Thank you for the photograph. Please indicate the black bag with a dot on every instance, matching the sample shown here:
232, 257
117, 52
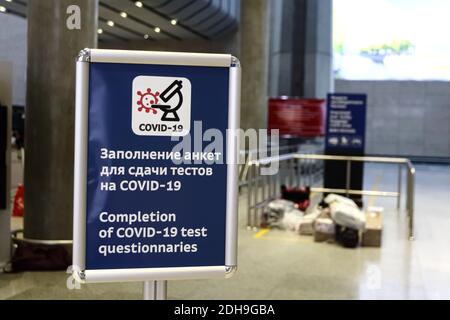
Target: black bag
39, 257
298, 195
347, 237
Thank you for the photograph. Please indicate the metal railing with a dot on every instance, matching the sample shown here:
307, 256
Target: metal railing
246, 156
264, 188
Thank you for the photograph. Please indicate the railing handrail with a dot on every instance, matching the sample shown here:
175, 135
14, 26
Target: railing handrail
280, 147
251, 154
394, 160
268, 148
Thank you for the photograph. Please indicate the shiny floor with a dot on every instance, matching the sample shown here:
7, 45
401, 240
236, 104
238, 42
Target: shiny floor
283, 265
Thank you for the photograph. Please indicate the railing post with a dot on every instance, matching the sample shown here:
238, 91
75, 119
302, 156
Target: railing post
348, 177
256, 197
288, 176
300, 171
264, 187
278, 181
249, 195
399, 186
155, 290
292, 173
272, 186
411, 203
308, 170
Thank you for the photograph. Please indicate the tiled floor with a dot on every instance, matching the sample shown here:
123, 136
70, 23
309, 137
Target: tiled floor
281, 265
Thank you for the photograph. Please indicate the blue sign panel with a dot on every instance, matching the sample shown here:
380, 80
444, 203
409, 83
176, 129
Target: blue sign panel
143, 209
346, 123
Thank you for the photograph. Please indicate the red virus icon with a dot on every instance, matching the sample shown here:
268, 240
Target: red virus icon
147, 100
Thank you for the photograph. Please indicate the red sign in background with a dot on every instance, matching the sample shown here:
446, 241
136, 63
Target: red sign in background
296, 117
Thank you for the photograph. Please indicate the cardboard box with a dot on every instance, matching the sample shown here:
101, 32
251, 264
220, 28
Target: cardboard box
323, 237
372, 235
324, 230
306, 227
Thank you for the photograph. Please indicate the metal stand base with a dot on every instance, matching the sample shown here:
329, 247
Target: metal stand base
155, 290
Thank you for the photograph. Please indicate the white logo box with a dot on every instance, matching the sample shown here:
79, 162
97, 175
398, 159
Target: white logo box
161, 106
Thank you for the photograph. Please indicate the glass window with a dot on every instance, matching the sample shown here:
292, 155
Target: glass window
391, 39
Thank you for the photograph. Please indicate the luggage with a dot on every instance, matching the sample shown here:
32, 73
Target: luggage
345, 212
274, 213
18, 207
298, 195
347, 237
39, 257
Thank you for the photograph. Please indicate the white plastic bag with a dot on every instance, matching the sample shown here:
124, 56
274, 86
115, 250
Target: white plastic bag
329, 199
281, 205
324, 225
291, 220
314, 213
347, 215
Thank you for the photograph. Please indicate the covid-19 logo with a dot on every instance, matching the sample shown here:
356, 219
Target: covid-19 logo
148, 100
161, 106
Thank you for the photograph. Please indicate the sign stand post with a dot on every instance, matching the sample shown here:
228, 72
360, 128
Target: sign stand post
155, 290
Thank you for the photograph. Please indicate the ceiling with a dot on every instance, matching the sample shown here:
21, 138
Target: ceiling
125, 20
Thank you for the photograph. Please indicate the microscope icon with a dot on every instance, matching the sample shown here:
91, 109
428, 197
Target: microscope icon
173, 99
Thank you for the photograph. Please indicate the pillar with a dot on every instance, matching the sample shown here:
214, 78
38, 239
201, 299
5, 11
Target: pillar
282, 23
301, 48
5, 160
318, 55
53, 44
254, 62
